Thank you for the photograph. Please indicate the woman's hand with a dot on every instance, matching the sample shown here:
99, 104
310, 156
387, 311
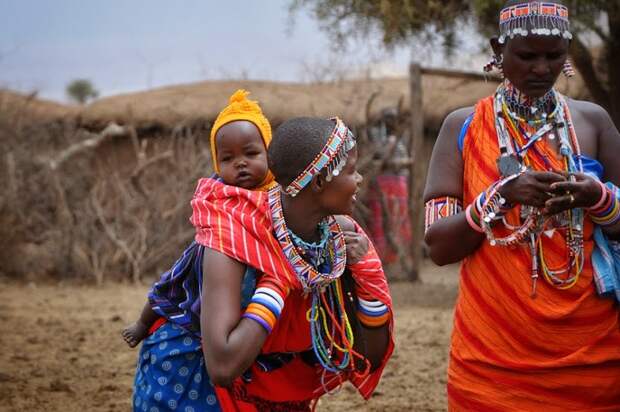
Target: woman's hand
357, 246
532, 188
581, 192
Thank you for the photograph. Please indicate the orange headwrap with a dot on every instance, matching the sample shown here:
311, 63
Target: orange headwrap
240, 108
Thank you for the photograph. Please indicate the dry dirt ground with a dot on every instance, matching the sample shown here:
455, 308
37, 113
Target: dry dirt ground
60, 348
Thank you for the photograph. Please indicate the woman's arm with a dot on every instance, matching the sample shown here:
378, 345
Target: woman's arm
609, 151
451, 239
445, 178
230, 343
371, 343
585, 191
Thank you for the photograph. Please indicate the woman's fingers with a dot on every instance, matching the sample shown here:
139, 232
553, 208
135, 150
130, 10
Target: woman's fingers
563, 187
560, 203
547, 177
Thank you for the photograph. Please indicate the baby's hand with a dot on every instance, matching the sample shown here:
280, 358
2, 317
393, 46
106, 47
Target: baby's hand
135, 333
357, 246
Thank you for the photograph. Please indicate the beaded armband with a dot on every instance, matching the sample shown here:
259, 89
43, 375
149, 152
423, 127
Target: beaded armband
439, 208
266, 305
606, 212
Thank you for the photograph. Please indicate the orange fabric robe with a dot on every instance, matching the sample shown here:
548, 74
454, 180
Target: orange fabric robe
557, 352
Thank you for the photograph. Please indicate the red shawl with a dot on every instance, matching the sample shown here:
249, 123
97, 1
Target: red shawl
237, 222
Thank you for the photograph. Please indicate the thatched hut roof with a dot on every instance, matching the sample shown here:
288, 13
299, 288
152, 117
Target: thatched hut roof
201, 102
34, 110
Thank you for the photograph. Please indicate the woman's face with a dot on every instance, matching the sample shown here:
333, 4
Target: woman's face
340, 194
533, 63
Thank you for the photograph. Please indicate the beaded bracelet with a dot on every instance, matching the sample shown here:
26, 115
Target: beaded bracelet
266, 305
474, 211
473, 218
603, 197
492, 209
606, 212
372, 313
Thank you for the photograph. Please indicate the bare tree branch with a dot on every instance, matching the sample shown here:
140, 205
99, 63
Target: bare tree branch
93, 141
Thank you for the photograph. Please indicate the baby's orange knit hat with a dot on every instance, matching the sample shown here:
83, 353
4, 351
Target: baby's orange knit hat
240, 108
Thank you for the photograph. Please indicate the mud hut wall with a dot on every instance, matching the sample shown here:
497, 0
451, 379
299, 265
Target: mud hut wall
116, 211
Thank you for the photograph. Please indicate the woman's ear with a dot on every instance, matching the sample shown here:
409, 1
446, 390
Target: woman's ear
497, 47
318, 183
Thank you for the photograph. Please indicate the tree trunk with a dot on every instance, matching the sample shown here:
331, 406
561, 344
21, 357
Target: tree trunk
585, 64
605, 92
613, 61
416, 170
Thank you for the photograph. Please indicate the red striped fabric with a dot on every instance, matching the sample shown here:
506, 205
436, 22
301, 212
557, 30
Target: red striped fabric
237, 222
509, 352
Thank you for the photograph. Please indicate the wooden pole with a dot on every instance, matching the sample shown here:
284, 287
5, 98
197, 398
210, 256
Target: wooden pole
417, 171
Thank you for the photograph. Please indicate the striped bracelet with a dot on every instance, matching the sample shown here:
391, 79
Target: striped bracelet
372, 313
606, 212
265, 306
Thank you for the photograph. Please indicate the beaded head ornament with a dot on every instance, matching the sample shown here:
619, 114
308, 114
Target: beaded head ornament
332, 157
539, 18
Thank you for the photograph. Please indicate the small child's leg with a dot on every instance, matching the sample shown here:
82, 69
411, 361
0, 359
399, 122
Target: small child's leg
137, 331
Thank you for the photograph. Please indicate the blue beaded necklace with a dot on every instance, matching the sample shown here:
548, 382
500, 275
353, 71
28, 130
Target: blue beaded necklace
314, 253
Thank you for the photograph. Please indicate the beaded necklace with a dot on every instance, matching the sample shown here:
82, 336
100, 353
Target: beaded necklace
330, 328
316, 253
309, 277
532, 111
514, 144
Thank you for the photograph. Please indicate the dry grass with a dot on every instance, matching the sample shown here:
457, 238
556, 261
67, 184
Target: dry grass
62, 350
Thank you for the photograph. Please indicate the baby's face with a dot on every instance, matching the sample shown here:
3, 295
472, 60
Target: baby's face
241, 154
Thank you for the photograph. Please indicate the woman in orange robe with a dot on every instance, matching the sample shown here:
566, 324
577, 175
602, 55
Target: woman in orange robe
527, 336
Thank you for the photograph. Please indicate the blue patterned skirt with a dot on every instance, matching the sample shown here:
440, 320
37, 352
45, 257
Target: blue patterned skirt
171, 374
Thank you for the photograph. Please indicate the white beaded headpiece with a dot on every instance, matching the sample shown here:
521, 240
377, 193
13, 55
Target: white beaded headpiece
332, 157
540, 18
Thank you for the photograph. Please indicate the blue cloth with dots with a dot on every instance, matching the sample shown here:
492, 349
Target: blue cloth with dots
171, 374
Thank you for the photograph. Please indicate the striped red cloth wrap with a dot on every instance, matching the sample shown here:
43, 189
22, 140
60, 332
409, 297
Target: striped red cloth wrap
237, 222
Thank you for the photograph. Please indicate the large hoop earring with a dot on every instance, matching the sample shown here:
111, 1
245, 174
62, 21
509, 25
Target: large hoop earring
567, 69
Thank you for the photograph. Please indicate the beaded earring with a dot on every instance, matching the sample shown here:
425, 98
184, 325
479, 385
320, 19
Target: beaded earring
567, 69
497, 62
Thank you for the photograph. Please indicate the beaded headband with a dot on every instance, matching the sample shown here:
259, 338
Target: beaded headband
332, 157
544, 19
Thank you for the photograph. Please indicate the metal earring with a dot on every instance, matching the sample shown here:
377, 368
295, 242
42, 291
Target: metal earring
567, 69
497, 62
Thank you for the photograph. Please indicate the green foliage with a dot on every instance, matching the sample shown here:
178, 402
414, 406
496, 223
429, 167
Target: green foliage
401, 21
81, 90
397, 20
